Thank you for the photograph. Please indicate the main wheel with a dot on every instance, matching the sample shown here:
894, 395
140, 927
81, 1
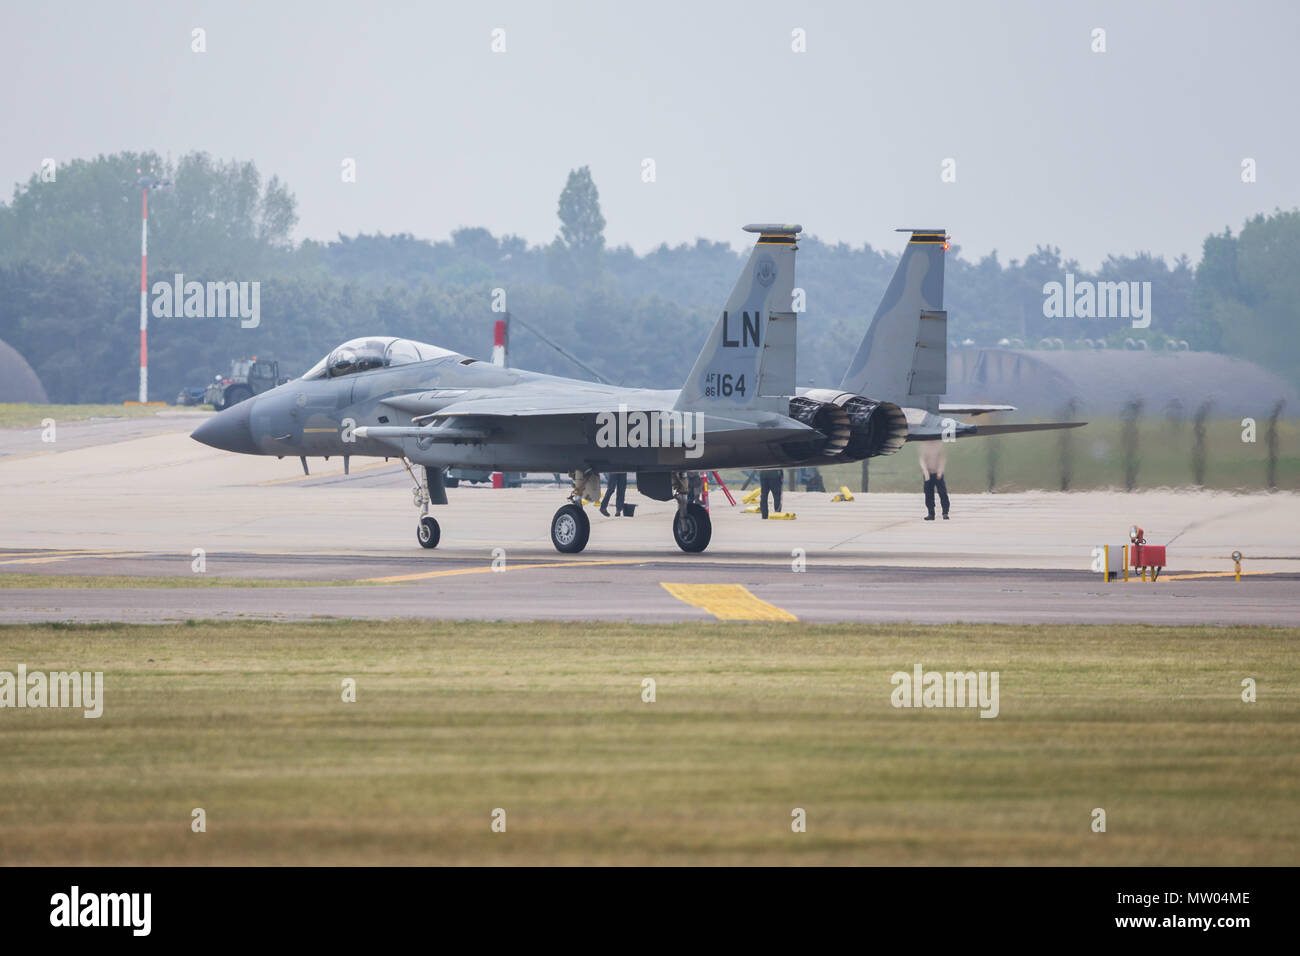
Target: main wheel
693, 529
570, 529
428, 532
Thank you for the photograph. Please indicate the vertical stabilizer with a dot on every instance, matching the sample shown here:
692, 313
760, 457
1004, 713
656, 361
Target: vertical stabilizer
748, 361
904, 356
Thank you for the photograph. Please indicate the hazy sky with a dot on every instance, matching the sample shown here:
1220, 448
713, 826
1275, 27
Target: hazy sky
1137, 148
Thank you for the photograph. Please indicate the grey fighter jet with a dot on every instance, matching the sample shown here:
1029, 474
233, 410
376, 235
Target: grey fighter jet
386, 397
903, 358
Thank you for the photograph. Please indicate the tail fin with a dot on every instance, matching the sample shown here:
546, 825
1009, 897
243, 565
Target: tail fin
904, 356
748, 361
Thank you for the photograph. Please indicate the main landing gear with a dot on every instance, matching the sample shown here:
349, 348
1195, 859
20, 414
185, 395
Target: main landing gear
570, 527
692, 528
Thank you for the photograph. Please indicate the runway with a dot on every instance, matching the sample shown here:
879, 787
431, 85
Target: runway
137, 499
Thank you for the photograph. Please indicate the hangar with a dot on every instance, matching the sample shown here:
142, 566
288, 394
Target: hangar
1041, 382
18, 380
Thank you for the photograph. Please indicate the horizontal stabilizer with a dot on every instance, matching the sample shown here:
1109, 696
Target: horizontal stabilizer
1030, 427
950, 408
933, 430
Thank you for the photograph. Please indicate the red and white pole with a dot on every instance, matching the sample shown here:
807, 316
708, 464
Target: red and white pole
499, 343
144, 294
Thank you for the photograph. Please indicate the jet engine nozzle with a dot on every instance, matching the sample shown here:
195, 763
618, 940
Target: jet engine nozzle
878, 428
874, 428
829, 419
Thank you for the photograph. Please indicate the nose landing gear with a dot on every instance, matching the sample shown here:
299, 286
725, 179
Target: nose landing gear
427, 489
428, 532
570, 529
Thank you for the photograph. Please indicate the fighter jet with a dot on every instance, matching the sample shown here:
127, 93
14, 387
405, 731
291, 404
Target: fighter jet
433, 408
903, 358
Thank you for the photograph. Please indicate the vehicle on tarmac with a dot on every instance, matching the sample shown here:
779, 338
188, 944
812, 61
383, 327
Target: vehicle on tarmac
248, 377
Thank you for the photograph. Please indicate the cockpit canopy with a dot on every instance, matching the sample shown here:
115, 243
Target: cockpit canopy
373, 351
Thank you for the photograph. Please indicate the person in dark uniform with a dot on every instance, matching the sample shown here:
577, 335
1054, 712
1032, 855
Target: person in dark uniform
617, 481
771, 481
933, 457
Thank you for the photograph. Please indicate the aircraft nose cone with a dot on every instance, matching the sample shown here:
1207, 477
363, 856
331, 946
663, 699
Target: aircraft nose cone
229, 430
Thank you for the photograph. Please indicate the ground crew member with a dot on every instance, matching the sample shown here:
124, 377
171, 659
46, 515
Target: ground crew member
616, 481
771, 481
933, 456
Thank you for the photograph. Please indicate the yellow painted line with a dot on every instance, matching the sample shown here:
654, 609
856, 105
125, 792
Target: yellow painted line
326, 474
1209, 574
488, 569
727, 602
308, 431
74, 557
31, 454
49, 552
58, 555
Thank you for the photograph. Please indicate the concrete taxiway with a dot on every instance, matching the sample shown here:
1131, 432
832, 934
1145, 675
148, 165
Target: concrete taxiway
137, 497
629, 589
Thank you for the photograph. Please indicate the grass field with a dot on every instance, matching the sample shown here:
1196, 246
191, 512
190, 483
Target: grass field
751, 721
15, 414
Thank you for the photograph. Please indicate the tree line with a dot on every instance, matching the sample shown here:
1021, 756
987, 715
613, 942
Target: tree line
69, 286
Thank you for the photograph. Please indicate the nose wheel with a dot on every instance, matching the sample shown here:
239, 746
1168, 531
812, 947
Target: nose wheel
428, 532
692, 528
570, 529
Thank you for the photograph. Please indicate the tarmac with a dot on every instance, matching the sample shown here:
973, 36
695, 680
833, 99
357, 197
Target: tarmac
136, 498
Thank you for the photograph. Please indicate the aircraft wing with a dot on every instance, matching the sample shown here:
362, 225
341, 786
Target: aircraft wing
528, 406
488, 418
439, 402
537, 406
